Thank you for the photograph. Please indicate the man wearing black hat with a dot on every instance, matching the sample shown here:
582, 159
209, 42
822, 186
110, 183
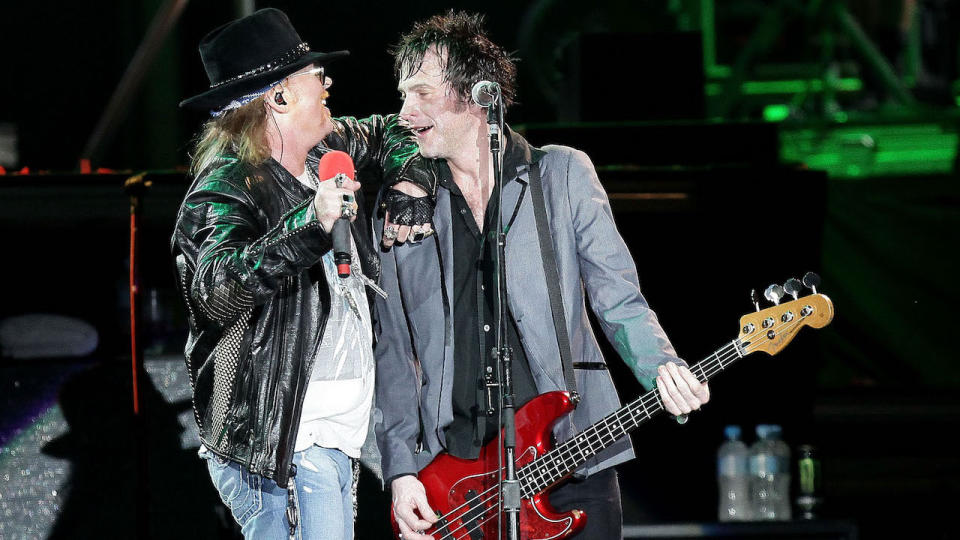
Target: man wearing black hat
279, 350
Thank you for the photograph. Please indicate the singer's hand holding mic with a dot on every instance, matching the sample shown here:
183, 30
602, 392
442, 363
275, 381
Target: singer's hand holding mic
331, 201
336, 205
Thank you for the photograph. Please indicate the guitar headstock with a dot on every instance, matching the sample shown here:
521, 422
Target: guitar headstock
771, 329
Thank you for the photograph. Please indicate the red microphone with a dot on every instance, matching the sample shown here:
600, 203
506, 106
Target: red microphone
338, 166
333, 163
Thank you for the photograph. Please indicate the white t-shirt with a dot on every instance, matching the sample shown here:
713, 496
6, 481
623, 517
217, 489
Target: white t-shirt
336, 408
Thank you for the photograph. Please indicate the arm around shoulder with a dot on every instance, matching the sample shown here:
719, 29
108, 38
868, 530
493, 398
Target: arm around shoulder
384, 144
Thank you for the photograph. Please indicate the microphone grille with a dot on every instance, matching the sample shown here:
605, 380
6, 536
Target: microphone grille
475, 91
333, 163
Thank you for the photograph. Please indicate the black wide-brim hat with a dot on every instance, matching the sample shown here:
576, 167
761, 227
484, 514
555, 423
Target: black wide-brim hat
247, 54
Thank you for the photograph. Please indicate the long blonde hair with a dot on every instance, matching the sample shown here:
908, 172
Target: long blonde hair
241, 131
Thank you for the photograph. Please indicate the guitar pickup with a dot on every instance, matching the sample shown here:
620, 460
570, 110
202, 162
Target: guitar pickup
477, 509
442, 526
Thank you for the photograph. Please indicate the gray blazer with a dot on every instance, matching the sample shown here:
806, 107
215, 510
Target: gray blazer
416, 320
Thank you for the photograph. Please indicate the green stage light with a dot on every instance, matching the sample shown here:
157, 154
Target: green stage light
788, 86
776, 113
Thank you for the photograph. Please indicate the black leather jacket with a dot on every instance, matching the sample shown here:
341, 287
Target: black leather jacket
246, 248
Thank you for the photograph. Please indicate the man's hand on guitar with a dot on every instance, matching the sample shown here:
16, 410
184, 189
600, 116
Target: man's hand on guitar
680, 390
410, 497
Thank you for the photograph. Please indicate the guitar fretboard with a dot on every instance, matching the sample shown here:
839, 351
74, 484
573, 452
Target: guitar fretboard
557, 464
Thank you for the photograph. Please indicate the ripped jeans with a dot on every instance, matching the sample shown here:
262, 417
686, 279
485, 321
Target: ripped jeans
322, 500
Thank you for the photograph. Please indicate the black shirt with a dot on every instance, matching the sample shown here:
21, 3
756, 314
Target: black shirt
475, 329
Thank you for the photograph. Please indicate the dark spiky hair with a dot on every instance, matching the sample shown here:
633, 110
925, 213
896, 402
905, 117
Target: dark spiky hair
471, 56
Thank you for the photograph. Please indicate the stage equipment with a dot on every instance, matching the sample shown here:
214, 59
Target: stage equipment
830, 19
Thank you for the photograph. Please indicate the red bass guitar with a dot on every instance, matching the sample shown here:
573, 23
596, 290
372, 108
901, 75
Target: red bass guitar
466, 493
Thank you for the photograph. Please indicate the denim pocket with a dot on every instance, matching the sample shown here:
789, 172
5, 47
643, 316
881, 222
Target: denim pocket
238, 489
226, 478
248, 505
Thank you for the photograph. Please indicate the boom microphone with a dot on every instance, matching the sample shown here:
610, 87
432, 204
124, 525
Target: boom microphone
485, 93
337, 166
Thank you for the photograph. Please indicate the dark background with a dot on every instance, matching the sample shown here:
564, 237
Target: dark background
875, 391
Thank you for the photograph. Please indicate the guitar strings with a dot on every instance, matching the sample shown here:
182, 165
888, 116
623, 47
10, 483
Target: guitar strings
466, 518
715, 366
649, 398
602, 429
728, 355
599, 432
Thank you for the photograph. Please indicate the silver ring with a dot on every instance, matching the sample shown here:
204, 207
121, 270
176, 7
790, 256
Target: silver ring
682, 418
348, 210
391, 232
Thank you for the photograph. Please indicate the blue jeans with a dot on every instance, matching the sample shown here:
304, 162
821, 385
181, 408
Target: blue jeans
324, 496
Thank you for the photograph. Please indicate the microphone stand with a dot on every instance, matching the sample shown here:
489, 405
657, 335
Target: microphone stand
510, 485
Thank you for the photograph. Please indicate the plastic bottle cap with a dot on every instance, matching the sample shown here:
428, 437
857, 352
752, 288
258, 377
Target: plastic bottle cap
732, 432
769, 431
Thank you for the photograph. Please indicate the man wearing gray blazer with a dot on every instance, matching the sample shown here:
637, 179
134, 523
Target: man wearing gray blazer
438, 319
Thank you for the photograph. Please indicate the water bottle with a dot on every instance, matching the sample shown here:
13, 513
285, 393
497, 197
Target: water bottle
732, 477
770, 475
782, 482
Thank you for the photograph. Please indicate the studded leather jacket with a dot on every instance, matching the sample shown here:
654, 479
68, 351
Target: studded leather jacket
246, 248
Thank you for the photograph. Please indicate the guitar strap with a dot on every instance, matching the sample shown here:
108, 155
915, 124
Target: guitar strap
549, 260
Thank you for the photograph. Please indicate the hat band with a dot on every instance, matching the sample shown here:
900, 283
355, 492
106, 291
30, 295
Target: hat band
243, 100
282, 60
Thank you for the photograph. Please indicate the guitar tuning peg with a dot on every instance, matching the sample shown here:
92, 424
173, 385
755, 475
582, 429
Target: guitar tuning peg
792, 286
812, 281
755, 298
774, 293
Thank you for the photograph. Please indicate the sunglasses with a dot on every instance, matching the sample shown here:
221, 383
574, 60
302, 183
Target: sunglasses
318, 71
